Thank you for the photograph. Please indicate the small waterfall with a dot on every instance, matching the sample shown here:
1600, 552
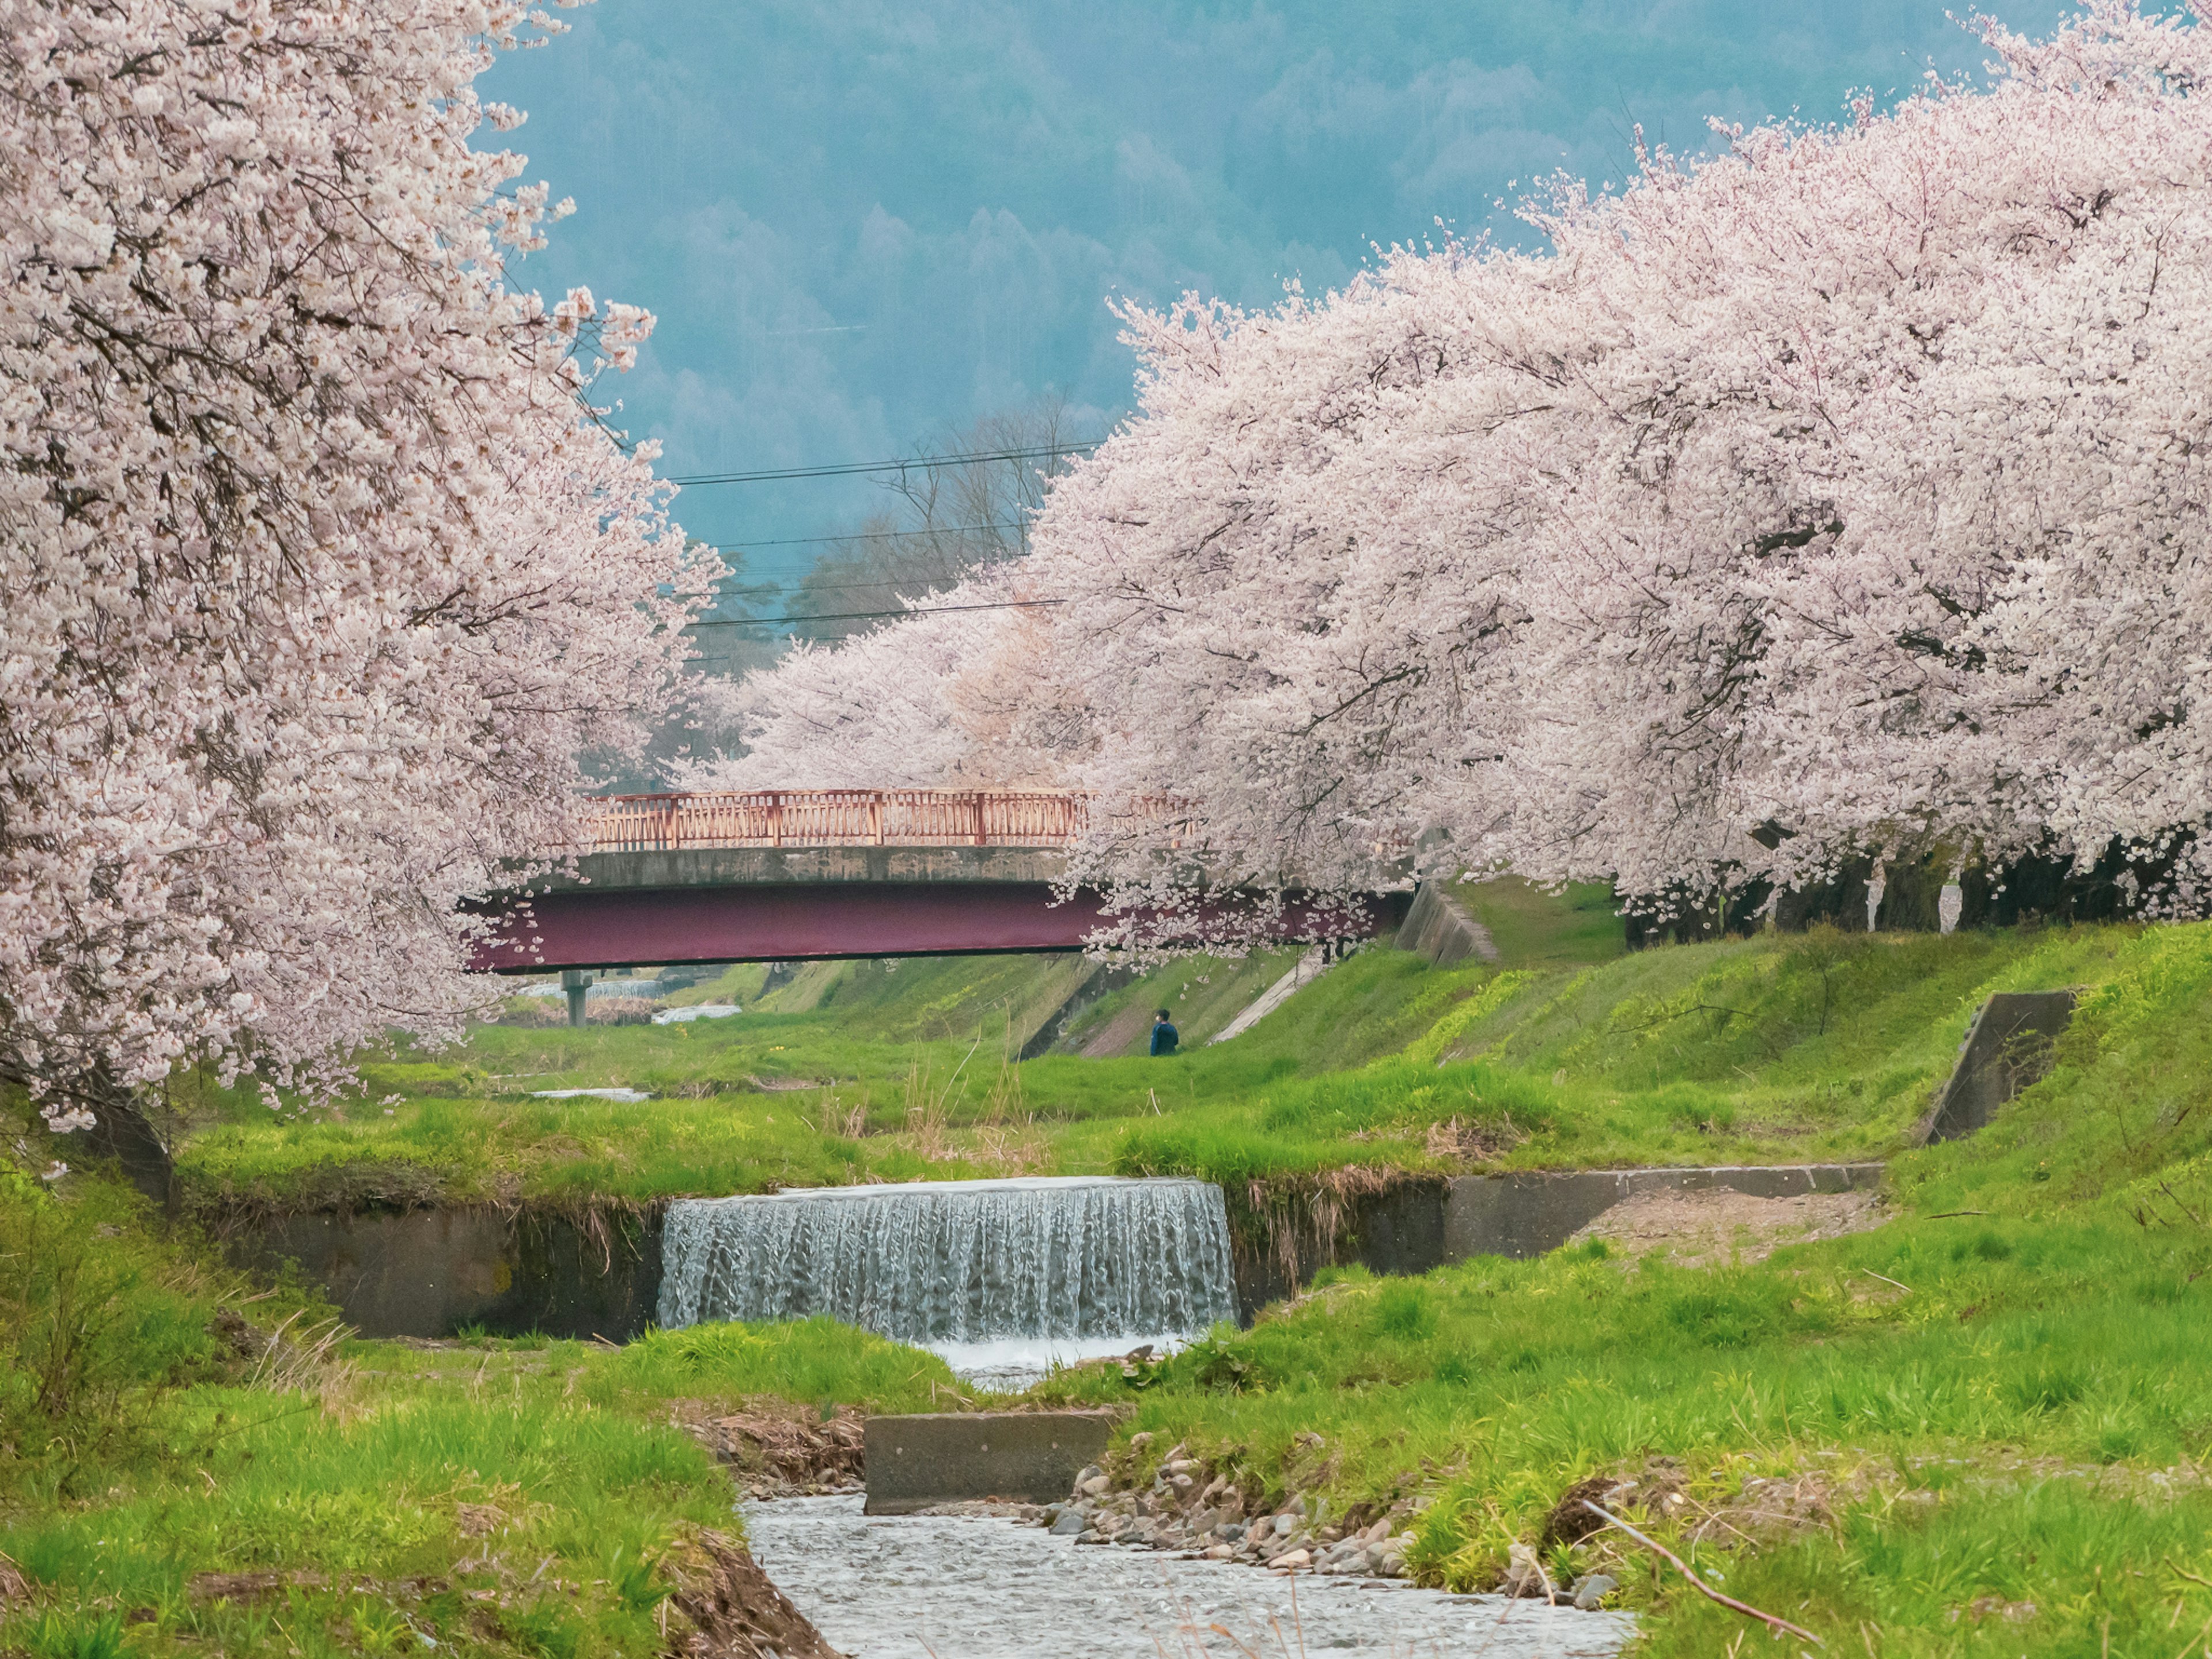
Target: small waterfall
999, 1276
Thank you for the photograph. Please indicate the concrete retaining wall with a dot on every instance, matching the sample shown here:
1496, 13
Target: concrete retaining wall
1099, 983
1033, 1458
2008, 1046
1401, 1231
428, 1273
1524, 1215
1439, 926
1426, 1222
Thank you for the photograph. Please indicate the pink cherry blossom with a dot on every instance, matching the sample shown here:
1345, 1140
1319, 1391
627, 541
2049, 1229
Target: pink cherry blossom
1841, 494
320, 569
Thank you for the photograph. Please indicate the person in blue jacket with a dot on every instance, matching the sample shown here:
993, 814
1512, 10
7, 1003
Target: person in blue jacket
1164, 1035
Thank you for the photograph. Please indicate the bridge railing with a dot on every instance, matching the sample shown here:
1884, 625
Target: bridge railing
843, 818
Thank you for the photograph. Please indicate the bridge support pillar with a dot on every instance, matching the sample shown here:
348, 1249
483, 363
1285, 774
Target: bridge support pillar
577, 983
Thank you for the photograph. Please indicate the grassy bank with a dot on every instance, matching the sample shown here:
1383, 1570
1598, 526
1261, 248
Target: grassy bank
1981, 1428
173, 1482
1774, 1049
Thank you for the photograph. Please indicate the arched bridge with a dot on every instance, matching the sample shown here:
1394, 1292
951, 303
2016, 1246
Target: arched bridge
783, 875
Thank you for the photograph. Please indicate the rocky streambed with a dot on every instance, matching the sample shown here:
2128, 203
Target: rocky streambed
967, 1584
1186, 1506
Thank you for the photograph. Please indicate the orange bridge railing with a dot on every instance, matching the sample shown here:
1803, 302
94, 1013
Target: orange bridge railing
842, 817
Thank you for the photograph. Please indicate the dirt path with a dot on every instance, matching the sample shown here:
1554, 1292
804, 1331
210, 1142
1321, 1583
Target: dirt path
1716, 1227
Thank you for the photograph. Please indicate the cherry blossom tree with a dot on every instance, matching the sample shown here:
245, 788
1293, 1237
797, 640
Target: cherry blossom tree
947, 698
320, 567
1841, 494
1887, 538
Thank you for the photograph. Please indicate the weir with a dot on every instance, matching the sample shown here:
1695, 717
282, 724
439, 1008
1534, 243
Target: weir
1000, 1277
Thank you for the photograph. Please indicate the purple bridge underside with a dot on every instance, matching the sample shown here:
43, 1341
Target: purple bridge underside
754, 921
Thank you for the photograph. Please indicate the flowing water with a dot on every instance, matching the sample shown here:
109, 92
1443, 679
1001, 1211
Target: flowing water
1002, 1277
911, 1587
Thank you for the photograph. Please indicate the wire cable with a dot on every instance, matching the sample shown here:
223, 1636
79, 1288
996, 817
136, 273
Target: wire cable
867, 616
850, 469
868, 536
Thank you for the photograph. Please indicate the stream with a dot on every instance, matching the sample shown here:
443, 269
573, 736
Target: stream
979, 1587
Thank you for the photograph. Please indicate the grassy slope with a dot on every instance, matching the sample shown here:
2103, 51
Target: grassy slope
1533, 928
1982, 1393
1998, 1398
889, 1099
141, 1454
1202, 994
1814, 1046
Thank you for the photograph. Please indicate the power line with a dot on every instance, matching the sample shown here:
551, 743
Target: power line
741, 590
865, 616
867, 536
807, 583
848, 469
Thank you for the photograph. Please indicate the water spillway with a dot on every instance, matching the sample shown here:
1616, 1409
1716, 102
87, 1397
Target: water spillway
998, 1276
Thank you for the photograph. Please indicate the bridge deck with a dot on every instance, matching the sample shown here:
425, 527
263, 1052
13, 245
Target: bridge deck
783, 875
868, 817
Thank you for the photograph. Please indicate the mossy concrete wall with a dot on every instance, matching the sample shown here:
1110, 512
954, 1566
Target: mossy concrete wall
1523, 1215
430, 1273
1441, 928
2008, 1046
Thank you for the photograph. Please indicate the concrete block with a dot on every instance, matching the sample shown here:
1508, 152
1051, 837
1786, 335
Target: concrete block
948, 1457
427, 1273
2008, 1047
1439, 926
785, 866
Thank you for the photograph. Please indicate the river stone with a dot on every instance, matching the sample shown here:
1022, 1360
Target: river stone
1590, 1594
1292, 1562
1069, 1524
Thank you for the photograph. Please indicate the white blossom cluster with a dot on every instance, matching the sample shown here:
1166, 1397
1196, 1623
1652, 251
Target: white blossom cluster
318, 569
1842, 495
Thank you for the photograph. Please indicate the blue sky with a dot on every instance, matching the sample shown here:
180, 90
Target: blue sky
863, 223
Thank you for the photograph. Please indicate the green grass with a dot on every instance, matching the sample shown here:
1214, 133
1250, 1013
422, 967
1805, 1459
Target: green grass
817, 1361
1533, 928
464, 1125
1816, 1046
142, 1453
1998, 1398
525, 1498
1202, 995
